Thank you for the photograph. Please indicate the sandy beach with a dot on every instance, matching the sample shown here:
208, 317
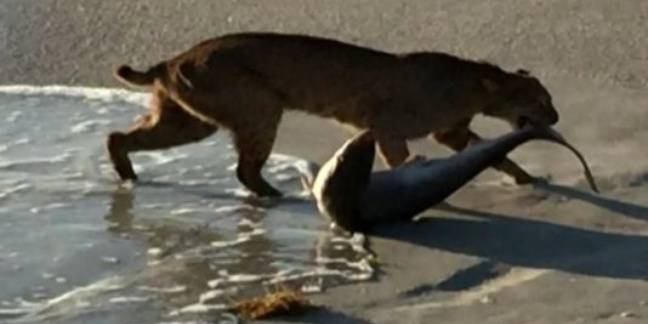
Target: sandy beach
496, 253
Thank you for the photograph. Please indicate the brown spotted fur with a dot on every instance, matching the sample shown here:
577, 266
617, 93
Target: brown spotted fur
244, 82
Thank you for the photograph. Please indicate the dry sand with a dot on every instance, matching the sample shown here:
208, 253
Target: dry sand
498, 254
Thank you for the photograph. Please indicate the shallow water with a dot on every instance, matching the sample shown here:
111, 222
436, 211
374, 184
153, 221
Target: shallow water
77, 246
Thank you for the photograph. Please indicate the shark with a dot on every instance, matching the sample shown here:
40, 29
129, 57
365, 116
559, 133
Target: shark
356, 198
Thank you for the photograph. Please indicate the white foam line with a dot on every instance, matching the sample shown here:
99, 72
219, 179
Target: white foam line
165, 290
236, 208
160, 158
54, 159
88, 125
128, 299
33, 310
186, 210
16, 189
362, 265
103, 285
239, 192
282, 162
13, 311
199, 308
52, 206
22, 141
320, 272
103, 94
237, 241
14, 116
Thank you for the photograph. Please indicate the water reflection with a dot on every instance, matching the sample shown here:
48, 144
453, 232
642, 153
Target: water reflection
181, 238
193, 267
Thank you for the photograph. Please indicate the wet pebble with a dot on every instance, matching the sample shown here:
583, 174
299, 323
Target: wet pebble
339, 247
111, 260
156, 252
486, 300
628, 315
87, 245
39, 295
309, 289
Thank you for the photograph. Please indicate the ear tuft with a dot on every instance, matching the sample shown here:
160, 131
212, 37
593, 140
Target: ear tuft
523, 72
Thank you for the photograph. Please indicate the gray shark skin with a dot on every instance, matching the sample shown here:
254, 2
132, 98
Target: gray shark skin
355, 198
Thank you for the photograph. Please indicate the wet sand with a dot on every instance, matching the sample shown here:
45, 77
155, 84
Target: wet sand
500, 253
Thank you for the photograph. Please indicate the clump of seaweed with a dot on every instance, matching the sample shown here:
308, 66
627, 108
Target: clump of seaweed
283, 301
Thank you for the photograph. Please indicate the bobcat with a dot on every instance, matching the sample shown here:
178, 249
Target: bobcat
244, 82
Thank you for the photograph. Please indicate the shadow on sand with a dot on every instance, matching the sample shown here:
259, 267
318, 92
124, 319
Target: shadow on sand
323, 315
614, 205
517, 241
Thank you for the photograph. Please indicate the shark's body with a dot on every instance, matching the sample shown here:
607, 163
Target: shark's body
355, 198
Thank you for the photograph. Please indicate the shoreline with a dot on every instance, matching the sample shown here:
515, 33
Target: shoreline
501, 253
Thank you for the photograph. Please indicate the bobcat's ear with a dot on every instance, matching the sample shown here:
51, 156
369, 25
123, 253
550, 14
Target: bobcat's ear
523, 72
490, 85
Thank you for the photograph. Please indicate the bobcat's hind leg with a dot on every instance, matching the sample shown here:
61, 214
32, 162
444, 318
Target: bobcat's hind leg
167, 125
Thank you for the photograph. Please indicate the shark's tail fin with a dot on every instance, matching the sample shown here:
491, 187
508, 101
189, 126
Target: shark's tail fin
549, 134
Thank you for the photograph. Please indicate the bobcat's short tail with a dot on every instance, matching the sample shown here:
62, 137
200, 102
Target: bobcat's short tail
127, 75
